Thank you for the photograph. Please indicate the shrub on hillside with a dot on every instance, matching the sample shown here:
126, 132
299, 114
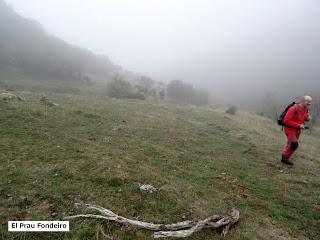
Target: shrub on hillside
232, 110
185, 93
121, 88
162, 94
145, 86
179, 91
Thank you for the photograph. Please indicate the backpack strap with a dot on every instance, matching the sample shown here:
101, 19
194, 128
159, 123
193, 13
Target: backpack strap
295, 113
295, 109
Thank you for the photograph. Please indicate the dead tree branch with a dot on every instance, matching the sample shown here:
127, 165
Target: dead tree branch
178, 230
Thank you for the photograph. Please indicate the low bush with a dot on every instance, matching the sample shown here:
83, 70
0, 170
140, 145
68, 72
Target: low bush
185, 93
121, 88
232, 110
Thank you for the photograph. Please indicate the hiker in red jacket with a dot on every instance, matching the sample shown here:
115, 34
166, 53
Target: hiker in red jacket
294, 122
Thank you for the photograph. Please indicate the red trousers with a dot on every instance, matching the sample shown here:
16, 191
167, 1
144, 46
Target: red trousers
292, 145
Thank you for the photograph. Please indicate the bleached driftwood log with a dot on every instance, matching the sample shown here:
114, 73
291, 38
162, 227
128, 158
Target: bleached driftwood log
178, 230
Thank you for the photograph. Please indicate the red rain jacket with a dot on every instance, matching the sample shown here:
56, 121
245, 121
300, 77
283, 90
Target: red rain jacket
295, 116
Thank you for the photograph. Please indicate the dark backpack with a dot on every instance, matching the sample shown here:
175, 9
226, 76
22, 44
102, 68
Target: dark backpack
283, 115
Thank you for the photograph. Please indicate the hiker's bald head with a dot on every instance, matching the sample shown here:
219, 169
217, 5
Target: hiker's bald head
306, 101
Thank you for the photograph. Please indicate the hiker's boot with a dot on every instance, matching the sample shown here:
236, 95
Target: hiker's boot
286, 161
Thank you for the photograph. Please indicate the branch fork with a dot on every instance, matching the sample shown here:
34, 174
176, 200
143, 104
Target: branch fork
177, 230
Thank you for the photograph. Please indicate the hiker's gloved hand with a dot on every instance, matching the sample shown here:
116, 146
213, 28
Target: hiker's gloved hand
302, 126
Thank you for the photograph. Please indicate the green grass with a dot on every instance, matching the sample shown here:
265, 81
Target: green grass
97, 150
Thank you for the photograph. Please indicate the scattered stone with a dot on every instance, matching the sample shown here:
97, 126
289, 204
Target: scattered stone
116, 128
45, 100
22, 198
8, 96
20, 98
147, 188
107, 139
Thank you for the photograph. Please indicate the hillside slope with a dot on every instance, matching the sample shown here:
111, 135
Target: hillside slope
97, 150
28, 52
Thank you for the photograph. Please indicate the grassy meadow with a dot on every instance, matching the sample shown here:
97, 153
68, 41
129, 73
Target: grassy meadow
96, 150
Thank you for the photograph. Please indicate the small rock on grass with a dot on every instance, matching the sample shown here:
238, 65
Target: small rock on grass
10, 96
45, 100
147, 188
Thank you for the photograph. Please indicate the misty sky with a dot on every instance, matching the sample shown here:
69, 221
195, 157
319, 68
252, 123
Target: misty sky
212, 43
